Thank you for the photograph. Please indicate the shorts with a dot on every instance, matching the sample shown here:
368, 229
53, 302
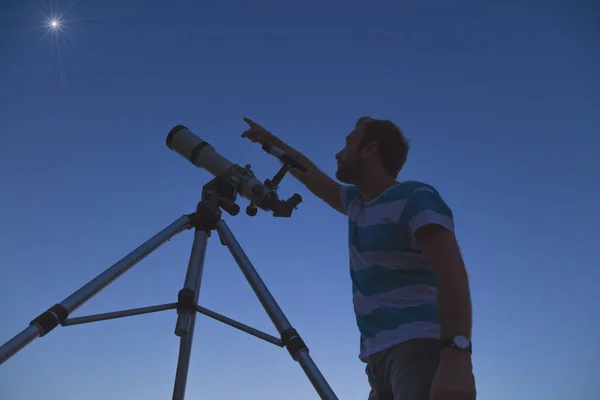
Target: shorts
404, 371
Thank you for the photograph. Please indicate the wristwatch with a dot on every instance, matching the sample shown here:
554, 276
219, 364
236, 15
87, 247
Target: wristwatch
458, 342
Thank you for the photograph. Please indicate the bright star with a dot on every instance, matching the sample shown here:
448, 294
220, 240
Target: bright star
54, 24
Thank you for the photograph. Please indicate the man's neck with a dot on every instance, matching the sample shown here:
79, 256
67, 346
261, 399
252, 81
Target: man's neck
370, 189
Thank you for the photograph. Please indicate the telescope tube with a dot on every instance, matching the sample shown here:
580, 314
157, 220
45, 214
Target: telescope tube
203, 155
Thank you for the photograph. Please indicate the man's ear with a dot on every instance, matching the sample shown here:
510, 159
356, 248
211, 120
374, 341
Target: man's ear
369, 149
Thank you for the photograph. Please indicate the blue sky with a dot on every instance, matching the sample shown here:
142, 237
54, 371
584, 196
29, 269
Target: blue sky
500, 102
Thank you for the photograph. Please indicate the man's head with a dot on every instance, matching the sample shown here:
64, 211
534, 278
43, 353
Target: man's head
375, 148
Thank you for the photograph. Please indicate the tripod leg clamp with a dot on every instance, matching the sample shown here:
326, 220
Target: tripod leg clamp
50, 319
293, 342
186, 300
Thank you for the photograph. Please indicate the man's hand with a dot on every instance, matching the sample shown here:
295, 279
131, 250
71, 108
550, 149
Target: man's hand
454, 378
256, 133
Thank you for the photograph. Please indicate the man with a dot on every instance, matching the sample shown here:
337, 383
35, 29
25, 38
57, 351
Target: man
410, 286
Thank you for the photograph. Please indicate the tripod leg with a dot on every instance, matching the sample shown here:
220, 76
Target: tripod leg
183, 363
55, 315
291, 339
186, 310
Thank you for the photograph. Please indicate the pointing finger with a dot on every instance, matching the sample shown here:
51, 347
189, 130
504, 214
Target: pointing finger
250, 122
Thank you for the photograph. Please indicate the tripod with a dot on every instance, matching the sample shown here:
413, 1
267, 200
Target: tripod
216, 195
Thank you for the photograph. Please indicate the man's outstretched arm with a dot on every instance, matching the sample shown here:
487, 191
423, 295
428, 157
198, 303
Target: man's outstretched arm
314, 179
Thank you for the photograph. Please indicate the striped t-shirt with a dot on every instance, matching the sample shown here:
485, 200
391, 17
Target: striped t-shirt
393, 287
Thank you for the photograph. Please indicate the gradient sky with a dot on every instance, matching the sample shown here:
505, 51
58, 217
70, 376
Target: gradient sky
502, 107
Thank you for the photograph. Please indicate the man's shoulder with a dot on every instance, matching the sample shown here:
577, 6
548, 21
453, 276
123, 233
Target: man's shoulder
415, 186
424, 197
403, 190
409, 198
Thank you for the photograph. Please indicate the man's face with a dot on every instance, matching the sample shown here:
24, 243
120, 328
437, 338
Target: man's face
349, 158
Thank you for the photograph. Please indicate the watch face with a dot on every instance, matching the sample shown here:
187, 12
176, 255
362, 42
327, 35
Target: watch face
461, 342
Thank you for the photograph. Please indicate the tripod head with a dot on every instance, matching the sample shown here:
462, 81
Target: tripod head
232, 179
223, 195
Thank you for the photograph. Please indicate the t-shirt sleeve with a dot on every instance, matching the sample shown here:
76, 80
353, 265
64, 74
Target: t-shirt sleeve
425, 206
347, 193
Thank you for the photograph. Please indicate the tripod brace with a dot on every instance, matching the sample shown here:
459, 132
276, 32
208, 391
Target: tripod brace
216, 195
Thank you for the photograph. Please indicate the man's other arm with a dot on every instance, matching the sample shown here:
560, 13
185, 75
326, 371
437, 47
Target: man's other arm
454, 300
432, 225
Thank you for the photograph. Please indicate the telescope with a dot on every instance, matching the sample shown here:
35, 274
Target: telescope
217, 195
241, 180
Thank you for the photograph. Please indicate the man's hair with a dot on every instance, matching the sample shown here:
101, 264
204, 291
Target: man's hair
393, 146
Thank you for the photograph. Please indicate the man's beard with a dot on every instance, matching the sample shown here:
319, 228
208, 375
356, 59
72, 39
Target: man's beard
346, 174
